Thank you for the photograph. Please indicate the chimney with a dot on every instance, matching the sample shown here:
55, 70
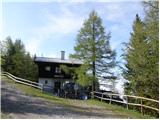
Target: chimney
62, 55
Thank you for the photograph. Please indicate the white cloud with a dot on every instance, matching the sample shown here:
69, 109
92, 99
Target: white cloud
32, 45
112, 12
119, 18
120, 12
66, 22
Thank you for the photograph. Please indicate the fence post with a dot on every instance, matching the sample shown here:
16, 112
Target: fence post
127, 102
42, 88
102, 97
75, 94
110, 99
92, 96
14, 82
65, 93
141, 106
58, 92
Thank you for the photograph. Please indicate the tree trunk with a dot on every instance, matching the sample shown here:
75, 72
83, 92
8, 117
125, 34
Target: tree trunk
94, 57
94, 74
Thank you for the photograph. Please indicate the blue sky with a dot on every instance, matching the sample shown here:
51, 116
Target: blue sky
46, 28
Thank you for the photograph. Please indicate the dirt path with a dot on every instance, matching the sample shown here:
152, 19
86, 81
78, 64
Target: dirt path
15, 104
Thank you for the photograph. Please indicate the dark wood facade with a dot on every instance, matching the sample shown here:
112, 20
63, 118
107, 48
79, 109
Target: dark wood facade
50, 74
53, 70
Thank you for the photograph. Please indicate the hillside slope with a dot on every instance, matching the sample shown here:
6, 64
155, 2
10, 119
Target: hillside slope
20, 102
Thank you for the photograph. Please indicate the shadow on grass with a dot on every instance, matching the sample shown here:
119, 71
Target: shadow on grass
13, 102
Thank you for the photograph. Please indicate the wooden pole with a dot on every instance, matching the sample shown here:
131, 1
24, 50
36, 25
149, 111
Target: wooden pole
42, 88
92, 94
76, 94
141, 106
65, 93
110, 99
58, 92
127, 102
102, 97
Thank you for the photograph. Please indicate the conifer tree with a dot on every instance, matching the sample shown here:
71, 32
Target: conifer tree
135, 56
142, 56
152, 30
17, 61
93, 48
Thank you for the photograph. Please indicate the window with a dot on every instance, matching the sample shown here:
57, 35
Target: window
57, 70
46, 82
48, 68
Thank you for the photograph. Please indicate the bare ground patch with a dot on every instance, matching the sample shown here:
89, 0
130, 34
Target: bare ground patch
15, 104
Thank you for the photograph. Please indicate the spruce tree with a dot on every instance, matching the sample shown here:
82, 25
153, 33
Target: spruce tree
135, 56
152, 30
8, 50
93, 48
17, 61
142, 56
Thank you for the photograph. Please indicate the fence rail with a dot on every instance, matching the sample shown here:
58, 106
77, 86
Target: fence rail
110, 99
101, 97
23, 81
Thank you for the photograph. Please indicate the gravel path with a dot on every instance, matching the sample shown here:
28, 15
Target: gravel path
15, 104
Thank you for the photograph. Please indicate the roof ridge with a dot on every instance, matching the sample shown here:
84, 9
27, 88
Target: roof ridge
57, 60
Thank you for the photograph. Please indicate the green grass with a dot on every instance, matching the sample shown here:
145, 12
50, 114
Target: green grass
68, 102
121, 110
5, 116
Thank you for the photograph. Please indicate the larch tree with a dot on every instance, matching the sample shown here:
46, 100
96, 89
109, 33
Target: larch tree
93, 48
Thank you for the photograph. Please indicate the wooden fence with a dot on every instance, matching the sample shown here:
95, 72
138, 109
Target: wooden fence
23, 81
95, 94
102, 96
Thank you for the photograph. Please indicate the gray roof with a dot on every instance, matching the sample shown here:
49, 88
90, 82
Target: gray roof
57, 60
